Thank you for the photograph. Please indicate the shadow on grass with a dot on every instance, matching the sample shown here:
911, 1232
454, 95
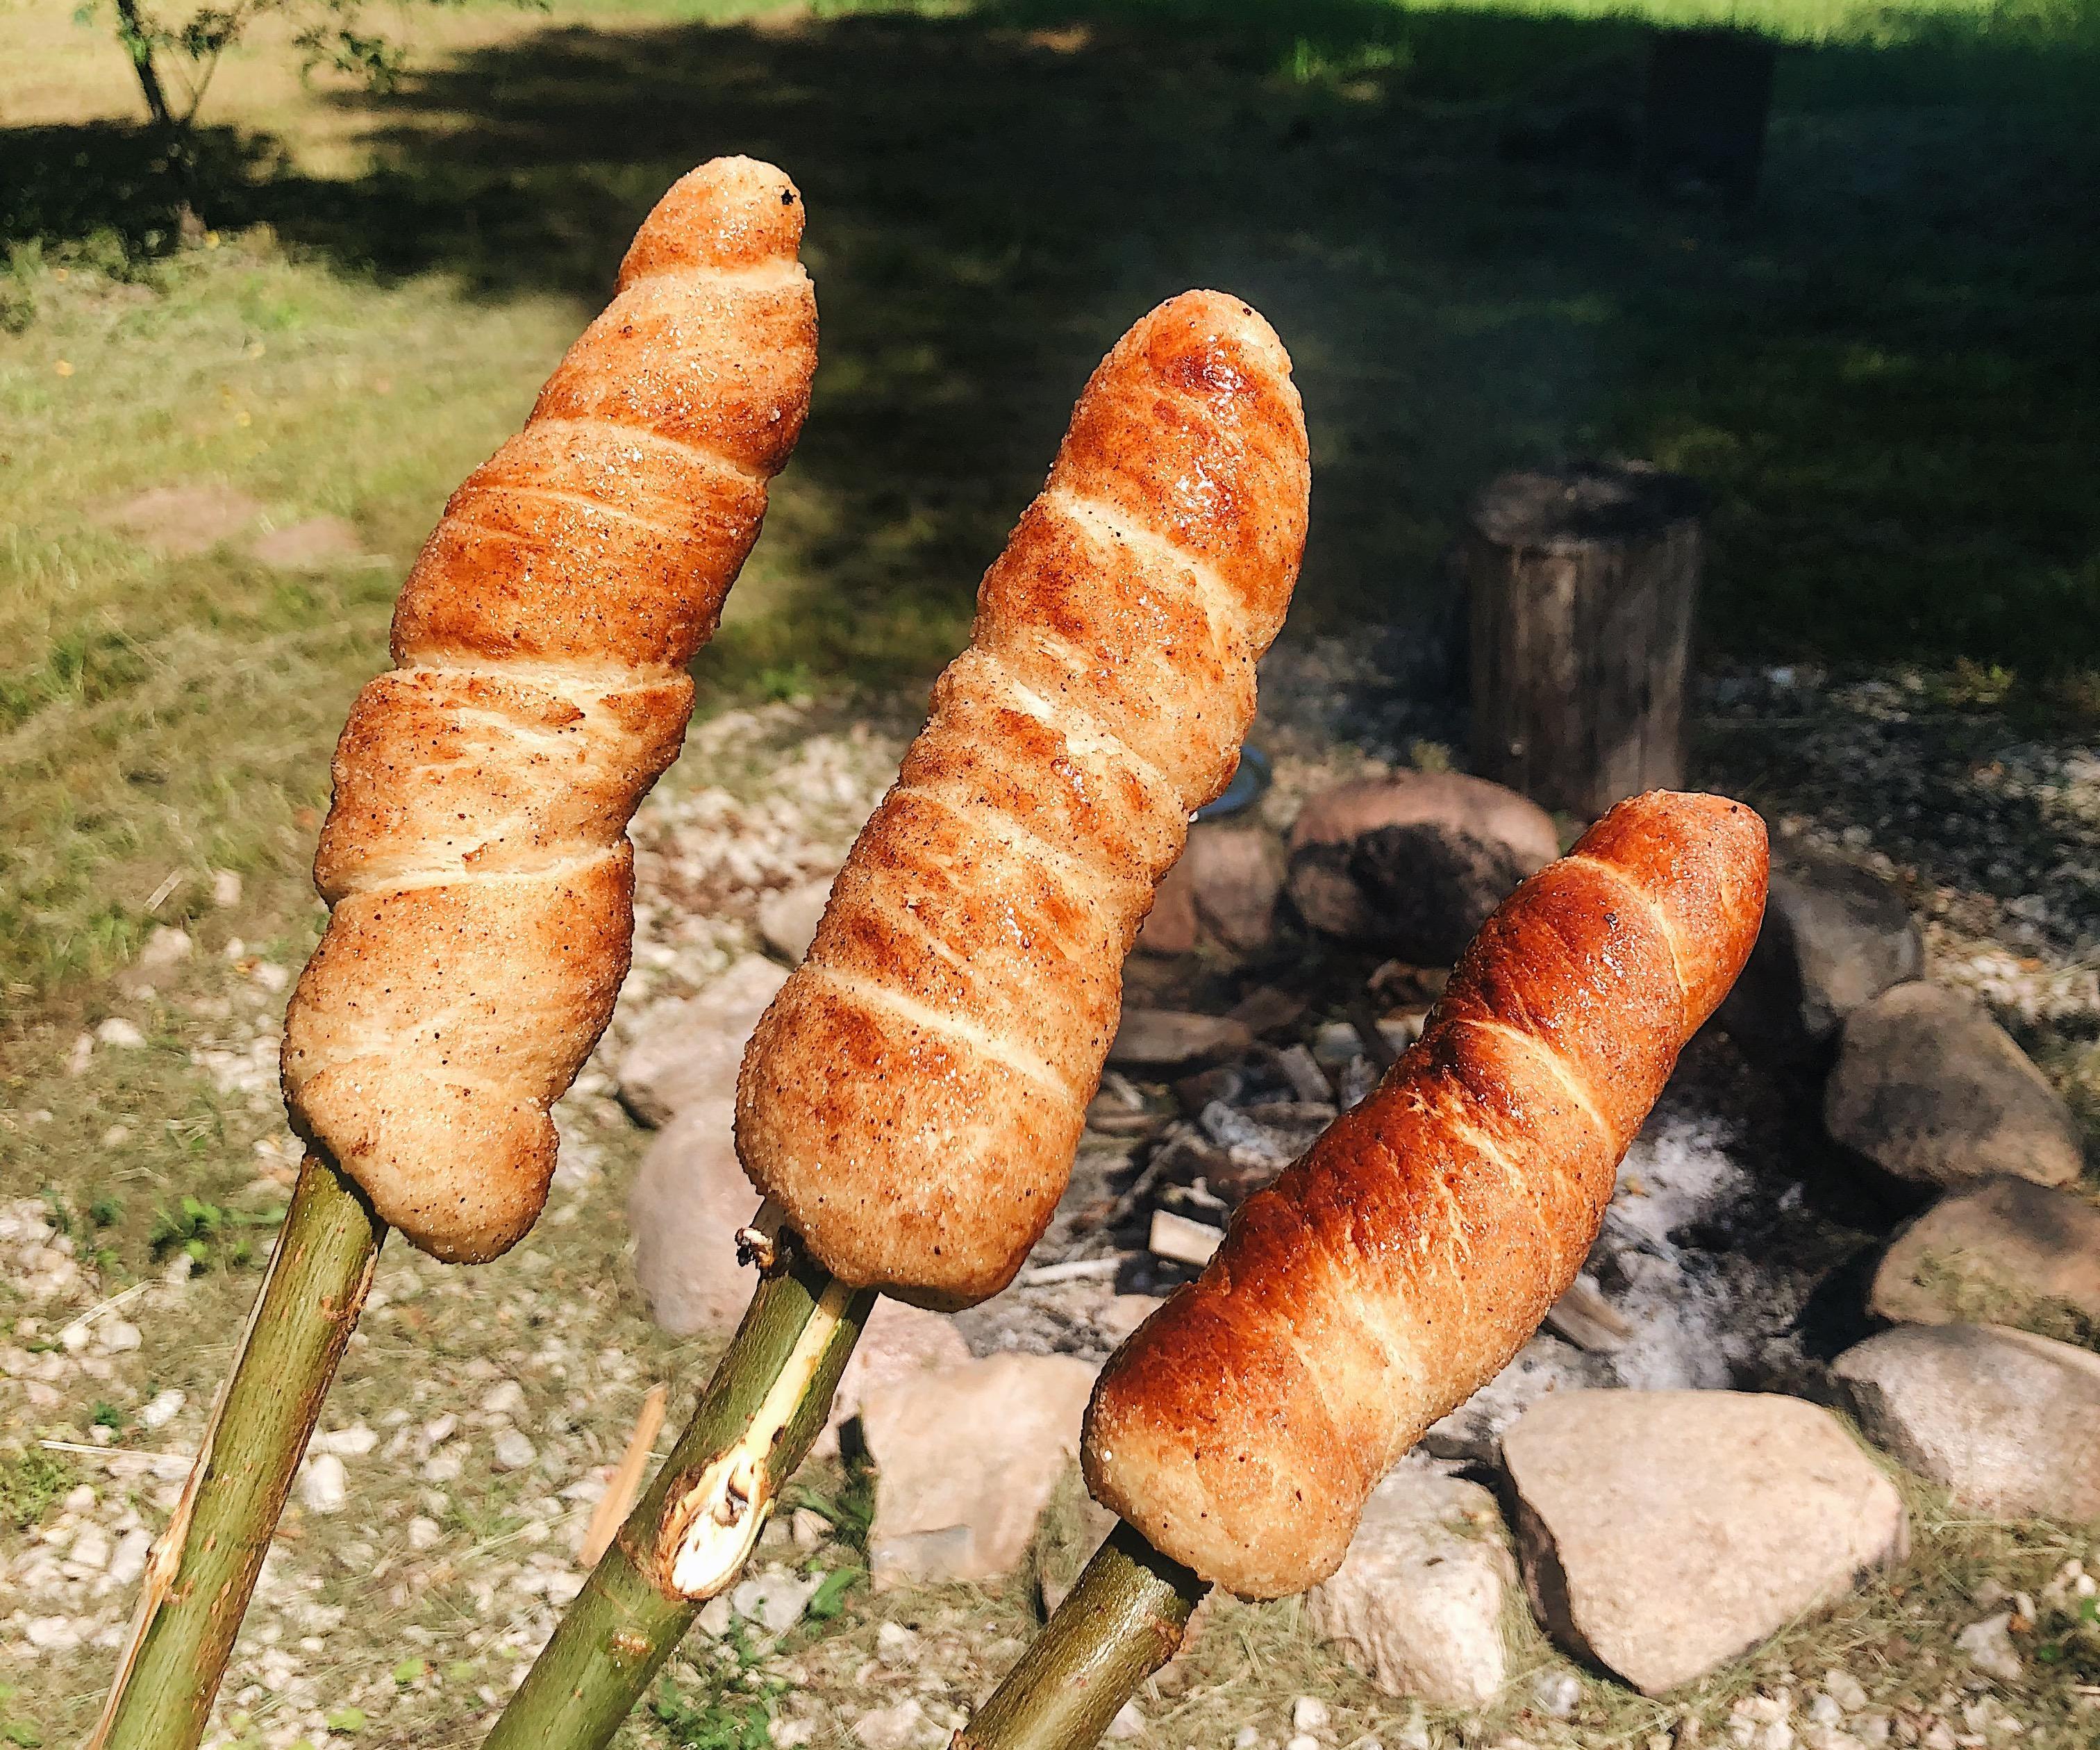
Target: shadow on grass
1886, 370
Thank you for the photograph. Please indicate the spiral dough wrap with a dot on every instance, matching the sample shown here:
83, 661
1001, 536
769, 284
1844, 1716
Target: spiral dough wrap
914, 1097
475, 857
1401, 1264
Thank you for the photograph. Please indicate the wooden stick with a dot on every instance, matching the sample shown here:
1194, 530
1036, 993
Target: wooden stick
204, 1568
696, 1524
1120, 1623
626, 1481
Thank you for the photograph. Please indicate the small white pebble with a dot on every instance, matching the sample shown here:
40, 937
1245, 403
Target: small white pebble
116, 1136
225, 888
165, 947
90, 1549
324, 1485
353, 1441
1988, 1646
120, 1336
774, 1599
507, 1399
162, 1408
1128, 1722
119, 1032
1309, 1713
1556, 1692
1846, 1690
425, 1533
512, 1451
129, 1561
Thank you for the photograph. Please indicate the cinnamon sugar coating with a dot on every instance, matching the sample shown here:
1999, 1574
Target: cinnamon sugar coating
475, 855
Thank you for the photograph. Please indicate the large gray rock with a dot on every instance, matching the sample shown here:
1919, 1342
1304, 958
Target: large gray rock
1417, 1604
898, 1342
1223, 891
691, 1051
1664, 1532
688, 1200
1929, 1088
1414, 863
2010, 1423
965, 1461
1172, 927
2006, 1253
1836, 935
1237, 872
1235, 877
788, 920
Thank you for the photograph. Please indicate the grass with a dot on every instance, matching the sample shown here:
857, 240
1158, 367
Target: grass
30, 1481
1882, 371
1246, 1663
1885, 371
1972, 1294
1894, 409
1251, 1660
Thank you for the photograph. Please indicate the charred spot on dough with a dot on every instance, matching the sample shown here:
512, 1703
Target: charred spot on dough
1209, 370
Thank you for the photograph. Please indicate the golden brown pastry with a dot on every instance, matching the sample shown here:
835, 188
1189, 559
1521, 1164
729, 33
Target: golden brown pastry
1401, 1264
475, 857
913, 1096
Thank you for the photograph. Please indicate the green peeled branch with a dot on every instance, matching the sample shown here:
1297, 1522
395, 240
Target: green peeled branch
203, 1571
1121, 1622
690, 1533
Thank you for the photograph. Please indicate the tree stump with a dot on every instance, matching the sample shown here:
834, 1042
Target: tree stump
1581, 583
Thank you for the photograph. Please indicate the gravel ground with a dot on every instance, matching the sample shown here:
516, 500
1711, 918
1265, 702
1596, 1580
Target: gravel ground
432, 1537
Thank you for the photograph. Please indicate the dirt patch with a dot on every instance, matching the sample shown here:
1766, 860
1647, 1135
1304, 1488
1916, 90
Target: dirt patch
179, 521
315, 545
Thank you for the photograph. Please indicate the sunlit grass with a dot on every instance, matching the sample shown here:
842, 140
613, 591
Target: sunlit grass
165, 716
1883, 371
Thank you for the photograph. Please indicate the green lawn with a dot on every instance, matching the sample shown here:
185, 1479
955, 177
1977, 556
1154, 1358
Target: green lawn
1886, 370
